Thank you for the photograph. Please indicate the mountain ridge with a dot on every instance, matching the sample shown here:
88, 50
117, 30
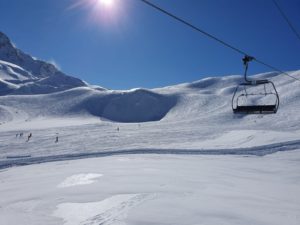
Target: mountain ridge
28, 75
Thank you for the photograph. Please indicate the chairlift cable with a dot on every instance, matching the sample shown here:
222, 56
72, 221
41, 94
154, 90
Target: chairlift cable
276, 69
286, 19
194, 27
213, 37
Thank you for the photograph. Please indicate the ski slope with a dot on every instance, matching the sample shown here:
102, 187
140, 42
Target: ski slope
195, 117
170, 155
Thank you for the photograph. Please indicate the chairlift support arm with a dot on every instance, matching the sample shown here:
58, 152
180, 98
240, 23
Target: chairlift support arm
246, 60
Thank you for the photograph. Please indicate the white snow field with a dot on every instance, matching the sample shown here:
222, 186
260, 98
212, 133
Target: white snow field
171, 155
155, 189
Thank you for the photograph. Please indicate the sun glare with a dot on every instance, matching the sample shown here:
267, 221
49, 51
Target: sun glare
107, 3
103, 12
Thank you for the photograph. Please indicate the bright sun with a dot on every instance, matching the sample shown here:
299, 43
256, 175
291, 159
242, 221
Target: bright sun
107, 3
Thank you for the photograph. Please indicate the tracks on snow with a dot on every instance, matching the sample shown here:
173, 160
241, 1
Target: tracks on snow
257, 151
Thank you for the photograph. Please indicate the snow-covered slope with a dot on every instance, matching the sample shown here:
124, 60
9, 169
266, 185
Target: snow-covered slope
191, 116
23, 79
187, 117
122, 106
22, 74
207, 101
47, 116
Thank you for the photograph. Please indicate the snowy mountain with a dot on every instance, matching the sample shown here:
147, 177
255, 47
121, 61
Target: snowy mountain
23, 78
207, 100
22, 74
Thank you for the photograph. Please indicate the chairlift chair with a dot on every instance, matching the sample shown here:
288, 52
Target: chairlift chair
255, 96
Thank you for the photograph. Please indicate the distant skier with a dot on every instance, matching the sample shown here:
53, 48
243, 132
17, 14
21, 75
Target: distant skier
56, 139
21, 134
29, 136
118, 129
17, 135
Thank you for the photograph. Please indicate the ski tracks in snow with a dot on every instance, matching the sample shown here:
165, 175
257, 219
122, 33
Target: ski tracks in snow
110, 211
256, 150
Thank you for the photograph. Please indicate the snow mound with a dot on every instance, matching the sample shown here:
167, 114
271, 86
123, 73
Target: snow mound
138, 105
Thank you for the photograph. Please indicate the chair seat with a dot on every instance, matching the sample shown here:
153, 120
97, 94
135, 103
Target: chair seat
255, 109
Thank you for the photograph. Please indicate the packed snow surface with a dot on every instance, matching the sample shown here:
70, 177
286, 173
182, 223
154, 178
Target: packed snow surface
151, 189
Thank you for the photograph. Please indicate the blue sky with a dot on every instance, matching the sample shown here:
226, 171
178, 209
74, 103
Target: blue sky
131, 45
